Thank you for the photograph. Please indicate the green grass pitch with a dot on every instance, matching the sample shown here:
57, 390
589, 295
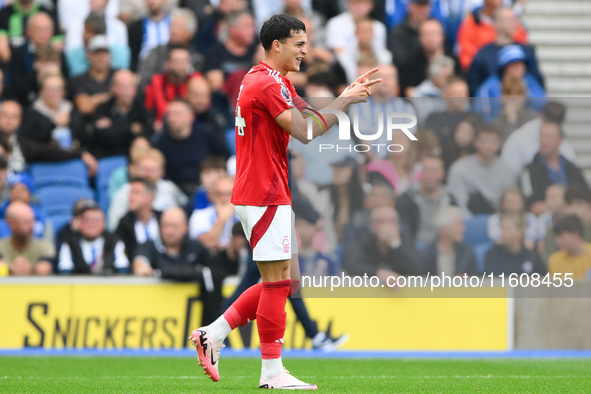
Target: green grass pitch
77, 374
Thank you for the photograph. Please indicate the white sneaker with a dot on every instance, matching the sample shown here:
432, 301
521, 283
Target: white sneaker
208, 352
285, 381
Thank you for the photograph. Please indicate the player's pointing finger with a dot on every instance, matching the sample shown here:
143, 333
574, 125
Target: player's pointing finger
370, 72
371, 82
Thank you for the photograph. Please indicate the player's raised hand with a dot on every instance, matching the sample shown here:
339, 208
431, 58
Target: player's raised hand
360, 91
365, 77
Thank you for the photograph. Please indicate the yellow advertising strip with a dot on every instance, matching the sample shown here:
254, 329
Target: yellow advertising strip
103, 315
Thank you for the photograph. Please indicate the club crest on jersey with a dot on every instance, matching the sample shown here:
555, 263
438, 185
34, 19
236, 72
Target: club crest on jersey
285, 94
285, 244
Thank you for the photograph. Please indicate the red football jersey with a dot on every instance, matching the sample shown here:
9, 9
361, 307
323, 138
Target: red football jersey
261, 144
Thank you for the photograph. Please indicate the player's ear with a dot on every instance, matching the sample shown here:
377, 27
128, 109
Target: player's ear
276, 46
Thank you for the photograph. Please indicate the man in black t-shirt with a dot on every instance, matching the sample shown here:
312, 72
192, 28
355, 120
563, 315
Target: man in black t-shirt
91, 89
236, 53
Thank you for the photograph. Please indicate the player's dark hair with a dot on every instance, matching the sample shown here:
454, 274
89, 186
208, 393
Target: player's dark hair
569, 224
280, 27
576, 192
149, 185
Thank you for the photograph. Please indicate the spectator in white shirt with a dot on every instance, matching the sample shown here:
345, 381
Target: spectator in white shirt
92, 250
340, 30
116, 30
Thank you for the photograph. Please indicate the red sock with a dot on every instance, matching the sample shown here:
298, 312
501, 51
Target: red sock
271, 317
244, 309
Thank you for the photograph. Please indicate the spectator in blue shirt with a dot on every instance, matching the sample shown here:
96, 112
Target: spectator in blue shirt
511, 65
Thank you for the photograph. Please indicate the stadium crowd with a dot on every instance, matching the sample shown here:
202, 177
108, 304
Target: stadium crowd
140, 94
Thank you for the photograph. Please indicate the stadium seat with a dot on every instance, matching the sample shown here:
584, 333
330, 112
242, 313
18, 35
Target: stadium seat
59, 200
480, 254
106, 167
4, 229
476, 230
72, 173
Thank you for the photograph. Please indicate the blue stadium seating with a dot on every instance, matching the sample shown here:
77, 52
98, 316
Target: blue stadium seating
72, 173
59, 200
106, 167
4, 229
480, 254
476, 230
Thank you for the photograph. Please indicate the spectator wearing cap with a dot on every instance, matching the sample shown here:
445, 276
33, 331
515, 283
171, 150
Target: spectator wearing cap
74, 225
183, 26
485, 62
511, 66
25, 254
212, 226
149, 164
149, 32
419, 205
20, 188
478, 181
478, 29
523, 144
140, 223
548, 168
403, 40
115, 30
340, 200
171, 84
119, 121
94, 25
186, 143
447, 254
92, 250
177, 257
92, 88
574, 256
340, 30
383, 251
14, 20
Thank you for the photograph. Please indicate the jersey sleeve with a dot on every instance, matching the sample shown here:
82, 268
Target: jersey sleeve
274, 97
